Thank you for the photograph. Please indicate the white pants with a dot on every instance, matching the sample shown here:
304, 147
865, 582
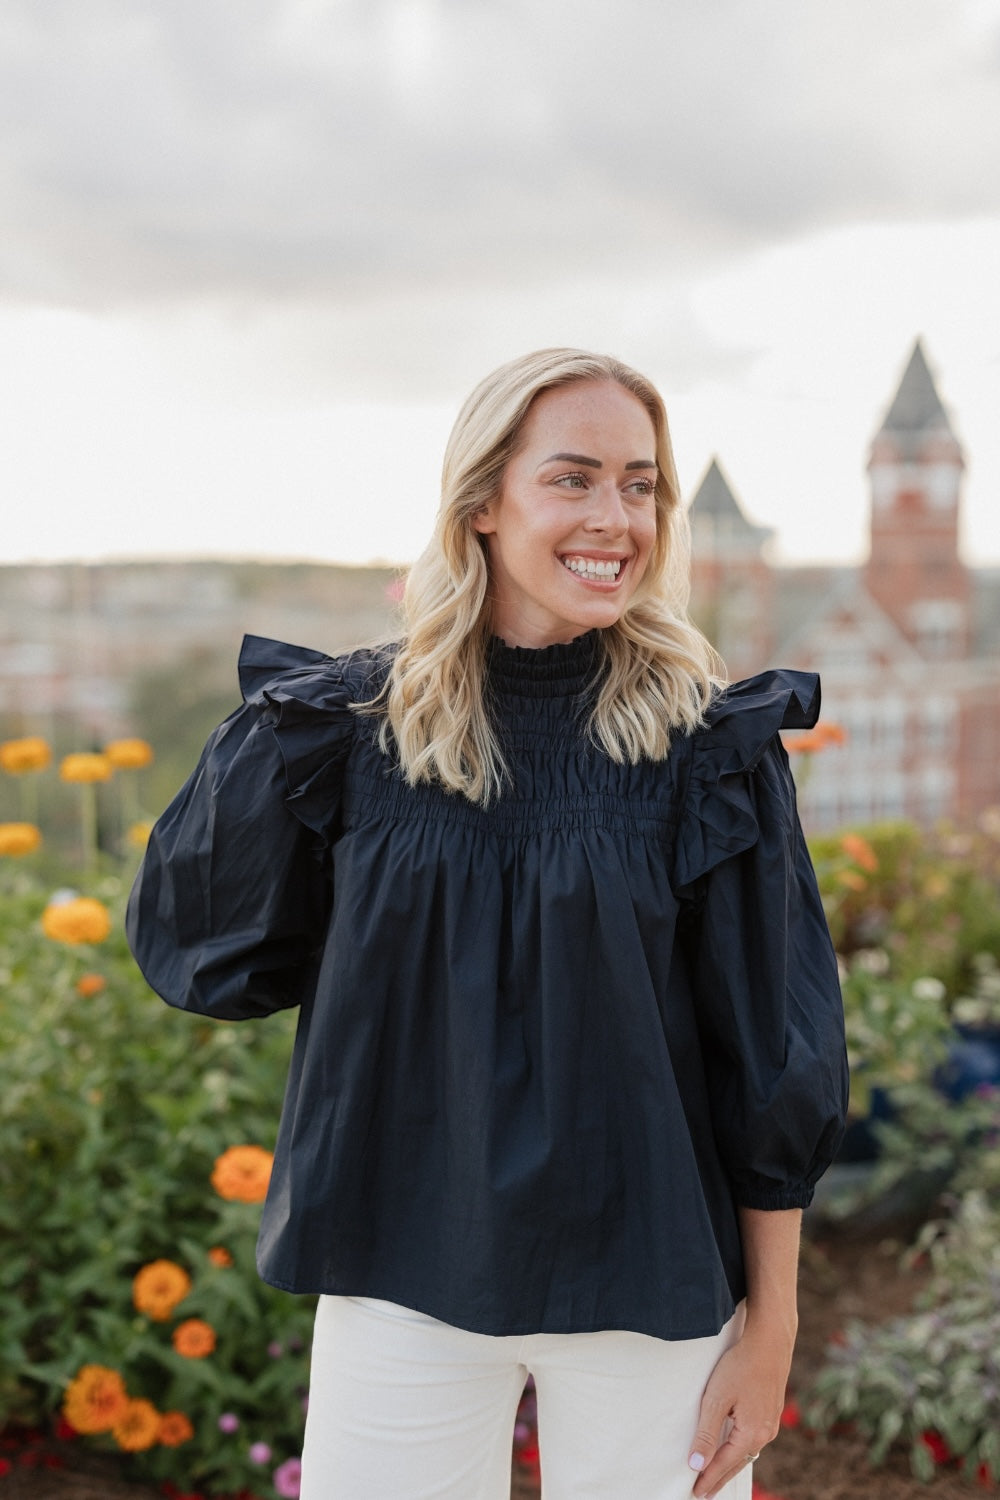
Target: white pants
402, 1407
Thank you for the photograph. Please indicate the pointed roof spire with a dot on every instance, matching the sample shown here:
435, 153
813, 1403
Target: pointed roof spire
916, 406
715, 512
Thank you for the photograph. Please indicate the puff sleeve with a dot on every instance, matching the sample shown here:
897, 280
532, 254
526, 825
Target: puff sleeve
228, 911
763, 970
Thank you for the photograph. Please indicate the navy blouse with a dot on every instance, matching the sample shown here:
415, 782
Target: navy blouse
545, 1048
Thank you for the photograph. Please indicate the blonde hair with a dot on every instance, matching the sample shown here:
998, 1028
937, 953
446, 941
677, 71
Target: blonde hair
657, 671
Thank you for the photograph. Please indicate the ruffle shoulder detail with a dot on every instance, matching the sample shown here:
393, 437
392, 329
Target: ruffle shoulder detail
720, 816
309, 698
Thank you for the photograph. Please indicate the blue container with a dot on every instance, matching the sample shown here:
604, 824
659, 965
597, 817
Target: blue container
973, 1061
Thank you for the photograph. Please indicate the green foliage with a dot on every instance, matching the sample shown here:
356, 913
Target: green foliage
931, 1380
113, 1109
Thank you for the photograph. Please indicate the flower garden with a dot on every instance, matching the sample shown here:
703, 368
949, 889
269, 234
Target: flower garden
135, 1151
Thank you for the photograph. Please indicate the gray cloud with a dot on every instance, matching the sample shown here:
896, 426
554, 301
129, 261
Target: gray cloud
354, 150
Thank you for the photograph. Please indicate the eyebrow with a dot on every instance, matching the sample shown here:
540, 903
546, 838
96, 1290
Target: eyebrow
595, 463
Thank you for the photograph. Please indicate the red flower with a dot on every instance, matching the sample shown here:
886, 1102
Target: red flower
791, 1416
936, 1446
4, 1467
984, 1477
64, 1431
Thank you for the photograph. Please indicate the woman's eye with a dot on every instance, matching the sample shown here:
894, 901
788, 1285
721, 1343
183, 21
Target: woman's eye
643, 487
573, 481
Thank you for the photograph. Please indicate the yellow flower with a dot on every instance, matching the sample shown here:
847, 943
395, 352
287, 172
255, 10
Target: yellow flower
194, 1338
138, 1427
158, 1287
85, 766
19, 838
79, 920
95, 1399
175, 1428
30, 754
129, 755
242, 1173
138, 835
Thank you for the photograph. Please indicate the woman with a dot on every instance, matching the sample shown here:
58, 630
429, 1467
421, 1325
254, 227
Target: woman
570, 1054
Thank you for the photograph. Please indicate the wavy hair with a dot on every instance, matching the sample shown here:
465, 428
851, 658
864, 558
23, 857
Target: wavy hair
657, 672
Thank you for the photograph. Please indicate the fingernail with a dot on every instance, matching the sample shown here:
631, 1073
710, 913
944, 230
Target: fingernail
696, 1461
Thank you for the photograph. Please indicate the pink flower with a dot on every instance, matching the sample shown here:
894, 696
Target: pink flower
287, 1478
260, 1453
228, 1422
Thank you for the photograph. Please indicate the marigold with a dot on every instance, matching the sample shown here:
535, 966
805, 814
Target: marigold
175, 1428
158, 1287
89, 985
85, 765
194, 1338
129, 755
860, 851
138, 834
220, 1256
19, 838
242, 1173
138, 1427
29, 754
82, 919
95, 1399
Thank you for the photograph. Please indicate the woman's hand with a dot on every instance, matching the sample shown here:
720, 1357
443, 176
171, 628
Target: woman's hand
748, 1384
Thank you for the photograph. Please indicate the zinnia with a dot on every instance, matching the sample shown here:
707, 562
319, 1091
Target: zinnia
95, 1399
129, 755
859, 849
85, 765
175, 1428
138, 1427
287, 1478
158, 1287
242, 1173
82, 919
194, 1339
19, 838
29, 754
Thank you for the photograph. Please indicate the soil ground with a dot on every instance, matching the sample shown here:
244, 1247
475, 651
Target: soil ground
840, 1279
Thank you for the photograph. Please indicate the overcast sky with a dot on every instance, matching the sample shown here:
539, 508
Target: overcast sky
253, 253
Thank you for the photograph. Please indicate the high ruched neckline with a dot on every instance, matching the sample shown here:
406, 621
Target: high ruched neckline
563, 670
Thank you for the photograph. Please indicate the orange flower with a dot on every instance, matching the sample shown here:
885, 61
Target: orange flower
812, 740
860, 851
95, 1399
220, 1256
19, 838
79, 920
85, 766
194, 1338
89, 985
158, 1287
174, 1429
852, 880
129, 755
138, 1427
30, 754
243, 1173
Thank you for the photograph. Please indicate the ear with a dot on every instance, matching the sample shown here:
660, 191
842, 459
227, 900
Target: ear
483, 520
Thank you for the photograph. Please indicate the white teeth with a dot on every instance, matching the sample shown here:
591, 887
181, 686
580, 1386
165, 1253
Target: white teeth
587, 567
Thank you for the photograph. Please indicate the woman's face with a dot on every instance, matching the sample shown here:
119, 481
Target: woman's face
570, 532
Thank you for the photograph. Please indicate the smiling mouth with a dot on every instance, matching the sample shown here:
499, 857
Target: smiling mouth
601, 571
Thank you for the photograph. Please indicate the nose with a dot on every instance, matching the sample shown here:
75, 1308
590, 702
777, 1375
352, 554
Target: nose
607, 513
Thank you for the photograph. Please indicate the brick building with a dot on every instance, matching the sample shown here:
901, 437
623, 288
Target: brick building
908, 645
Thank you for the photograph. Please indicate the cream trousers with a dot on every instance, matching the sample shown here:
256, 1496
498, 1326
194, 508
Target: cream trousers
402, 1407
